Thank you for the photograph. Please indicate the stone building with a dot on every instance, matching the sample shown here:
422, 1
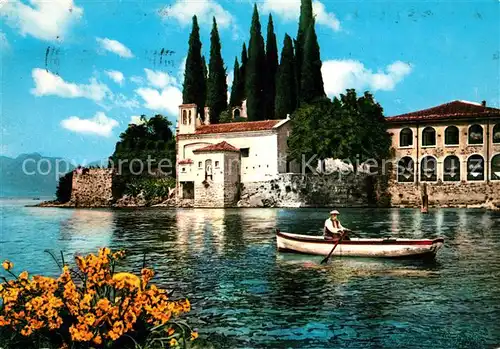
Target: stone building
213, 160
454, 148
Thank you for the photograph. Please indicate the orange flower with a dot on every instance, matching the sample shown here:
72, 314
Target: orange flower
146, 276
126, 280
23, 275
97, 339
170, 331
194, 335
7, 265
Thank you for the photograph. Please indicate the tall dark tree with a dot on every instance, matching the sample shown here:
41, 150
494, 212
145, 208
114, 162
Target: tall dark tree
305, 21
311, 83
271, 69
255, 68
194, 79
286, 87
217, 84
204, 82
235, 98
244, 61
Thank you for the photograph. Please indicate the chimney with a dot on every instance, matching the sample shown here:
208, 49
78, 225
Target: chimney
207, 116
483, 103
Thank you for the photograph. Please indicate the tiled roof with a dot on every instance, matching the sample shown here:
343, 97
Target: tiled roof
244, 126
222, 146
451, 110
185, 162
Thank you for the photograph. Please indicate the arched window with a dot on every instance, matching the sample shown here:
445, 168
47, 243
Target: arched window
406, 170
496, 133
475, 168
428, 137
428, 169
184, 117
406, 137
451, 169
476, 134
495, 167
236, 113
451, 136
190, 117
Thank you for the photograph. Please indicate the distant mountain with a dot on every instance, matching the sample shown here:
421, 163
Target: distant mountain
31, 175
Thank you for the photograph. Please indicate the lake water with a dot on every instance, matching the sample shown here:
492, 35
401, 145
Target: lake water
247, 295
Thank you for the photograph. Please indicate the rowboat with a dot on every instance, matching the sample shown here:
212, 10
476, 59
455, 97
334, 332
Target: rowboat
359, 247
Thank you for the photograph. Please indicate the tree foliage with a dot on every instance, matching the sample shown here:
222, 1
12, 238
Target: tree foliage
242, 77
217, 84
153, 138
311, 83
194, 79
236, 97
63, 191
346, 128
254, 77
271, 70
286, 83
305, 21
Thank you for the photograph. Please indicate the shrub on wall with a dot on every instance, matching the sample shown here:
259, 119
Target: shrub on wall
63, 191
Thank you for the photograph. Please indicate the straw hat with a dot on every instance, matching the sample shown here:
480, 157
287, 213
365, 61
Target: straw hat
334, 212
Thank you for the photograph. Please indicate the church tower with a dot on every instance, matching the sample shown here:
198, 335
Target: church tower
187, 119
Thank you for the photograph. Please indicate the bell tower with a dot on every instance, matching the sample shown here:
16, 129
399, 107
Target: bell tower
187, 118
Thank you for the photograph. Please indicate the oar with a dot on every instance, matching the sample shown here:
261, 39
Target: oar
325, 260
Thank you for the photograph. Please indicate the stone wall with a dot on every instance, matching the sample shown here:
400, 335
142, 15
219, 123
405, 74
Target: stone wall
461, 194
92, 187
296, 190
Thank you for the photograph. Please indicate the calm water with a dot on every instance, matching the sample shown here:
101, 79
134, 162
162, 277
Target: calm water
246, 295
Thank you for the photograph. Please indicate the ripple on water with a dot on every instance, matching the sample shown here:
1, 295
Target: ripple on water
246, 295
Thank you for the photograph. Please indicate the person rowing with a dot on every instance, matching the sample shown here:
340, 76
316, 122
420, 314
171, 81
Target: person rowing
333, 229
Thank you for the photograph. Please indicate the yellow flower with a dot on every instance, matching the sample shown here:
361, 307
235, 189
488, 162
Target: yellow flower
173, 342
127, 279
23, 275
194, 335
7, 265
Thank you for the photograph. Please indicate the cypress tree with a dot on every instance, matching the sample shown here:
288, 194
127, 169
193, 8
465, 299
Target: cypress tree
244, 60
217, 84
255, 70
194, 79
204, 83
235, 98
311, 83
286, 88
271, 69
305, 21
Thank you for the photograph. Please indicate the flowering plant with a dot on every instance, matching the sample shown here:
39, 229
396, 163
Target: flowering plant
90, 306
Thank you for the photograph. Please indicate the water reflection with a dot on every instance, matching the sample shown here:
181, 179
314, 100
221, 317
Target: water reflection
246, 293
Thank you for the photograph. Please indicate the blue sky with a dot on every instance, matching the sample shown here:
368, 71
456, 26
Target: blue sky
75, 73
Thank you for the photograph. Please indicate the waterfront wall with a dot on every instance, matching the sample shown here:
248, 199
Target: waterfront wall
92, 187
461, 194
296, 190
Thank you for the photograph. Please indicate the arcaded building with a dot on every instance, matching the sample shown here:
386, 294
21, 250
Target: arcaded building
454, 148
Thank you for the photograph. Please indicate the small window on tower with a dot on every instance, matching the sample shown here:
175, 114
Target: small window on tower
216, 164
200, 164
245, 152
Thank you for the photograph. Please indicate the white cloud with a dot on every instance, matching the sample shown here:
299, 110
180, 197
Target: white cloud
137, 80
47, 84
289, 10
339, 75
182, 68
116, 76
159, 79
229, 79
115, 47
166, 100
183, 11
136, 120
100, 124
46, 20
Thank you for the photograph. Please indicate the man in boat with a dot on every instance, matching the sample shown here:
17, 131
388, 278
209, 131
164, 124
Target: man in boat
333, 230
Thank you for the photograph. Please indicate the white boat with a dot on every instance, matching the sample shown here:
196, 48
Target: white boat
358, 247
